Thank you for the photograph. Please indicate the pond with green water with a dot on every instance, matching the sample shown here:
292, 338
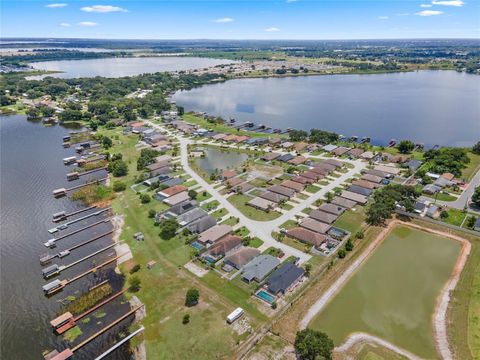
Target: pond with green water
218, 160
393, 295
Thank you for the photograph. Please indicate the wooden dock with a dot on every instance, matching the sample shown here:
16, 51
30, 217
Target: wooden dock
45, 259
66, 225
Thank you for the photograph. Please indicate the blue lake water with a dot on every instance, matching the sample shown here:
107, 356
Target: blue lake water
432, 107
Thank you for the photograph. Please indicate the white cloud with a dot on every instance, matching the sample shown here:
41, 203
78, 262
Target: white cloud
383, 17
224, 20
429, 13
55, 6
103, 9
272, 29
426, 5
448, 2
87, 23
64, 24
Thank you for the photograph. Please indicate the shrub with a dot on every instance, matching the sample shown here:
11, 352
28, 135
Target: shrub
186, 319
134, 283
135, 269
145, 198
119, 186
349, 245
342, 253
274, 305
118, 168
192, 297
151, 213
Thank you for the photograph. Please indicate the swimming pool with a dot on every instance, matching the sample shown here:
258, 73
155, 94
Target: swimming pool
209, 259
197, 245
265, 296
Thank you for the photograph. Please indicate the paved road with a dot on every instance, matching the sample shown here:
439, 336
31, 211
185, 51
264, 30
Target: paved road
464, 197
261, 229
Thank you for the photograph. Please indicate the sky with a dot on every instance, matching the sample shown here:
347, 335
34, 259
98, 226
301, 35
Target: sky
237, 19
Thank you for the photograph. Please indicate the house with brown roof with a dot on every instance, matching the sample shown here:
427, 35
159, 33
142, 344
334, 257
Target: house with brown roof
325, 166
361, 199
339, 151
400, 159
293, 185
240, 138
347, 204
302, 180
262, 204
173, 190
323, 216
366, 184
336, 163
225, 246
297, 160
372, 178
282, 190
219, 136
322, 172
312, 175
270, 156
227, 174
367, 155
271, 196
332, 209
241, 257
306, 236
214, 234
300, 146
315, 225
232, 182
447, 176
355, 152
229, 138
177, 198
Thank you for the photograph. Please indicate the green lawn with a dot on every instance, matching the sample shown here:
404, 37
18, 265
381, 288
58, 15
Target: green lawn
455, 217
312, 188
240, 202
210, 205
472, 167
351, 220
218, 214
289, 224
255, 242
232, 220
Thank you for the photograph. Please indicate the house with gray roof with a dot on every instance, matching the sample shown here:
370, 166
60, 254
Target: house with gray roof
323, 216
282, 190
241, 257
329, 147
214, 234
258, 268
347, 204
332, 209
202, 225
282, 279
360, 190
191, 216
271, 196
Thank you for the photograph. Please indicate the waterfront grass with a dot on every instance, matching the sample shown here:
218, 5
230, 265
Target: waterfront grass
240, 202
72, 334
472, 167
88, 300
93, 194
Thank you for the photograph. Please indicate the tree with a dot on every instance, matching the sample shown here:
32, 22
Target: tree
168, 228
444, 214
349, 245
186, 319
308, 269
118, 168
470, 222
297, 135
145, 198
151, 213
342, 253
192, 297
192, 194
405, 146
313, 345
476, 148
476, 196
119, 186
106, 142
181, 110
134, 283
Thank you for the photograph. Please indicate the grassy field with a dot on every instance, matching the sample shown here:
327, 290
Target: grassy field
472, 167
240, 202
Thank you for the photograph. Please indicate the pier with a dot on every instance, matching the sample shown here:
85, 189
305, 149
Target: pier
66, 321
57, 285
54, 270
47, 258
66, 225
64, 216
76, 175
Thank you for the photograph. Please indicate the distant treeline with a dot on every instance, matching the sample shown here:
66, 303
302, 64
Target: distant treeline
52, 55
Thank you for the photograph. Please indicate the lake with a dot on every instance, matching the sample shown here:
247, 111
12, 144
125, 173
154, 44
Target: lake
432, 107
393, 294
31, 167
127, 66
219, 160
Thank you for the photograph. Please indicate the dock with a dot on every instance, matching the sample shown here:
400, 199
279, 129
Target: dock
76, 175
66, 321
57, 285
45, 259
55, 269
120, 343
66, 225
60, 216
